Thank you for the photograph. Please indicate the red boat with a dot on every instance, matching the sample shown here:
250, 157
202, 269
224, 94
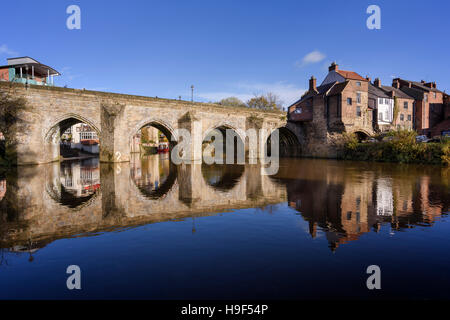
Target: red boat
163, 147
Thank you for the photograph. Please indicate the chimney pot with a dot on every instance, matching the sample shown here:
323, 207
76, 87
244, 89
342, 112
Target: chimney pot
313, 84
396, 84
377, 83
368, 78
333, 67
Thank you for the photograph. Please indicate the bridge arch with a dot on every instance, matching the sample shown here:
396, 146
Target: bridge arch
52, 134
163, 126
223, 126
288, 141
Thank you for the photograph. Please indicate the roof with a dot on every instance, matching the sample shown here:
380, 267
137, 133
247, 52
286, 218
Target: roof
350, 75
338, 88
422, 86
376, 92
329, 89
27, 61
320, 90
398, 93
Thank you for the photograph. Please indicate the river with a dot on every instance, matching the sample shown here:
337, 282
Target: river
149, 229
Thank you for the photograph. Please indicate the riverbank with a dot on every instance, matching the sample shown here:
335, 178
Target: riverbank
398, 146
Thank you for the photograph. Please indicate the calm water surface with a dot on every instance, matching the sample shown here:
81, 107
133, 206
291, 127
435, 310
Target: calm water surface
149, 229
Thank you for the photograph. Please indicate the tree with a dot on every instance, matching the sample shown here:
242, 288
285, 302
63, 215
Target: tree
11, 108
269, 101
232, 102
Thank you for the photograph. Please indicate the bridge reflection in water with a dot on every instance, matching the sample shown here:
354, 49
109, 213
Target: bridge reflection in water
343, 200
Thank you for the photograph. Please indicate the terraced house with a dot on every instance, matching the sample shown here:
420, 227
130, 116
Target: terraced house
347, 102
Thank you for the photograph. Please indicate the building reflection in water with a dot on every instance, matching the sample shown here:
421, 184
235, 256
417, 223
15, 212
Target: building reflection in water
341, 200
346, 200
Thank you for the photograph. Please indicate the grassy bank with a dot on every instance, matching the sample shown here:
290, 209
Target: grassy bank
397, 146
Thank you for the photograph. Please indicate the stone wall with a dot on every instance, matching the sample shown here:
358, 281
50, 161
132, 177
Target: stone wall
118, 117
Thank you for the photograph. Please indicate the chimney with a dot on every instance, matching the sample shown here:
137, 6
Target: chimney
391, 94
396, 83
333, 67
434, 84
422, 81
312, 84
368, 78
377, 83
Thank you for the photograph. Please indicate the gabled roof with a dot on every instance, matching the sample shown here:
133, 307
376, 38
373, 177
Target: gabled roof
350, 75
398, 93
337, 88
320, 90
376, 92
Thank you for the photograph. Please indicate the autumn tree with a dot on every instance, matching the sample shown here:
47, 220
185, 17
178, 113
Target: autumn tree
269, 101
232, 102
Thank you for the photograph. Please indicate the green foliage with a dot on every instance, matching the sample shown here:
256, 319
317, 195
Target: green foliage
401, 147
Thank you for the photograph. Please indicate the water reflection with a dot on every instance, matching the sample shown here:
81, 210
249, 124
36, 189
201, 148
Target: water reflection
348, 199
340, 200
154, 175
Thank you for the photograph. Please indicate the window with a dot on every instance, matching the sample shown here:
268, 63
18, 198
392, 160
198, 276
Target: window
358, 97
386, 115
380, 101
349, 101
358, 84
409, 117
425, 97
358, 111
386, 101
298, 110
405, 105
435, 95
402, 117
380, 116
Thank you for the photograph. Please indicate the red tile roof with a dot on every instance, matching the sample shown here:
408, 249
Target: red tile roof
350, 75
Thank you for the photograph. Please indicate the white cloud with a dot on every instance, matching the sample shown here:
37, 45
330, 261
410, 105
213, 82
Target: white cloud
288, 93
312, 57
5, 50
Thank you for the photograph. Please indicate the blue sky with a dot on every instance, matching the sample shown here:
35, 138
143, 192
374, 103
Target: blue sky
223, 48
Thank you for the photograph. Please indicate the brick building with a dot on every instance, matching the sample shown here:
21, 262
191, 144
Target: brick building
403, 106
429, 103
339, 104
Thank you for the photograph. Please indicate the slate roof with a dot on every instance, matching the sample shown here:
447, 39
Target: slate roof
398, 93
376, 92
338, 88
321, 90
422, 86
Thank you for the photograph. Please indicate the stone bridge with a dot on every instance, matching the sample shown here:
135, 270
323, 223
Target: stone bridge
118, 117
34, 208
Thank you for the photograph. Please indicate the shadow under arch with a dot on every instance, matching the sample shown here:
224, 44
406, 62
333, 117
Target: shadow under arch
361, 135
288, 143
238, 141
65, 122
159, 124
53, 134
222, 177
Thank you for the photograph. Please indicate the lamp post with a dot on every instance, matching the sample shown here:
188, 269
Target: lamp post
192, 93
